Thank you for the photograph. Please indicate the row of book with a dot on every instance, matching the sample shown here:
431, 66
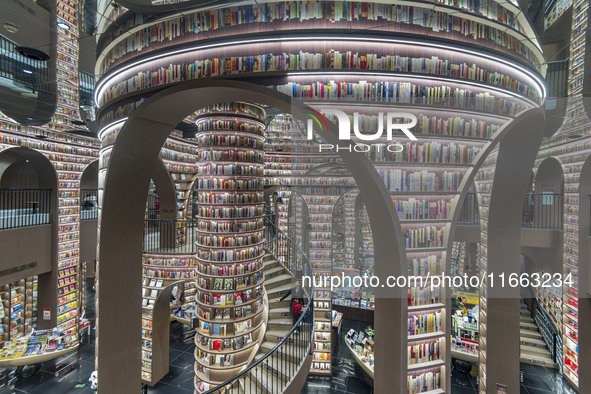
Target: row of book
169, 261
229, 198
424, 352
395, 92
229, 269
423, 296
333, 11
424, 382
230, 169
225, 313
218, 345
421, 181
230, 184
229, 125
245, 211
219, 140
228, 284
427, 237
428, 152
252, 252
224, 241
232, 226
424, 323
415, 209
404, 93
211, 154
233, 108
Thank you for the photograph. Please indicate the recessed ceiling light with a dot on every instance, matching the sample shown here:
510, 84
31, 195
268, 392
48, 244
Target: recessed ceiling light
63, 25
27, 71
10, 27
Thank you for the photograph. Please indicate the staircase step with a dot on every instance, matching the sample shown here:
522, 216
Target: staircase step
524, 313
538, 360
250, 385
286, 352
279, 367
531, 351
533, 342
278, 280
528, 326
273, 335
525, 333
283, 324
277, 292
270, 264
273, 271
278, 312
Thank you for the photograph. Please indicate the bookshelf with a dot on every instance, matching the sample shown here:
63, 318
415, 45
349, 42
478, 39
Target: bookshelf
229, 280
483, 185
67, 63
493, 23
320, 194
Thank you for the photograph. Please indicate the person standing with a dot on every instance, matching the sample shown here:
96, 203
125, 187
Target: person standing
297, 301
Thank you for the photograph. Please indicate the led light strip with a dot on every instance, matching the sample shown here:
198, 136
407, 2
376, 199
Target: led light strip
101, 86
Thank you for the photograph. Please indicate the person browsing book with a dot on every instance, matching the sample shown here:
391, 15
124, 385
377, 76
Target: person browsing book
297, 301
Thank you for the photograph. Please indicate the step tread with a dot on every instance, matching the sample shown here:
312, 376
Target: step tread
280, 288
278, 278
532, 340
273, 269
534, 351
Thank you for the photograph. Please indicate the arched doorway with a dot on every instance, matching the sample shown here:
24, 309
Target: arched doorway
122, 221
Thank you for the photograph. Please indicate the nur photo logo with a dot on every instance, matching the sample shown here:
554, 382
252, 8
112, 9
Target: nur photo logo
389, 122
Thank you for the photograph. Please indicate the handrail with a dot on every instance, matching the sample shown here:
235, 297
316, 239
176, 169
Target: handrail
278, 365
170, 236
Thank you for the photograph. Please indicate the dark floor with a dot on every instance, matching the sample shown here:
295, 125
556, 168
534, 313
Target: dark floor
348, 377
70, 374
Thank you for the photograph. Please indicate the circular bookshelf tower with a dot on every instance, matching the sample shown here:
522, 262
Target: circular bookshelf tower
229, 240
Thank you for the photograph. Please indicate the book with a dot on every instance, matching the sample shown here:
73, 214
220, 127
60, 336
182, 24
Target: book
218, 284
228, 284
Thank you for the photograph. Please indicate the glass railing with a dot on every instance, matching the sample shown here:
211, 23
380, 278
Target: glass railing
24, 207
274, 371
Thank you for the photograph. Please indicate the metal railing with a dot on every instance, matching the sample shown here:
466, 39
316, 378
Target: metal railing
273, 372
469, 214
88, 204
542, 211
24, 207
170, 236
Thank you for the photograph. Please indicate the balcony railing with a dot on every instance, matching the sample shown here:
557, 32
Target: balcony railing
170, 236
273, 372
88, 204
542, 211
24, 207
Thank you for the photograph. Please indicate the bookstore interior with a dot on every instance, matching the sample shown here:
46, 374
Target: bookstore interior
211, 181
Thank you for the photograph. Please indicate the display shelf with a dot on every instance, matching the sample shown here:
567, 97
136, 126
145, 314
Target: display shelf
340, 14
229, 279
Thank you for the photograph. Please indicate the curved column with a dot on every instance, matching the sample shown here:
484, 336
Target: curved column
509, 173
118, 355
229, 239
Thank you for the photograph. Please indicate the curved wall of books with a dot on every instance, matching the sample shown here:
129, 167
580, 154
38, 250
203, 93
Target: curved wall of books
462, 72
230, 252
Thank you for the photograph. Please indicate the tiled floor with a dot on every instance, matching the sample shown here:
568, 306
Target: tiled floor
347, 378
